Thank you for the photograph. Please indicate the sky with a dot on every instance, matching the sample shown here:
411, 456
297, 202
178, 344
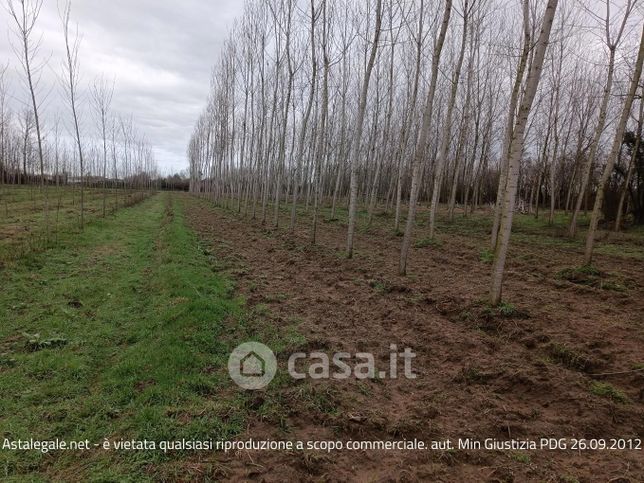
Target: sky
159, 52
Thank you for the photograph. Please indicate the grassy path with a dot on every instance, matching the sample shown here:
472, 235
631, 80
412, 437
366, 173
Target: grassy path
114, 336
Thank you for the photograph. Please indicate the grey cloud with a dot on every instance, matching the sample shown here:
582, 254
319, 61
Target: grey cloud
159, 52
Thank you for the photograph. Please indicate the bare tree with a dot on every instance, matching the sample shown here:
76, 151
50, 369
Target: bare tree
322, 137
612, 42
283, 21
357, 132
71, 76
447, 129
419, 157
612, 156
102, 98
25, 17
516, 151
409, 114
510, 121
305, 120
4, 128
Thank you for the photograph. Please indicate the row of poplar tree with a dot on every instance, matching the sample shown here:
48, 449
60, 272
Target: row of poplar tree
63, 148
388, 103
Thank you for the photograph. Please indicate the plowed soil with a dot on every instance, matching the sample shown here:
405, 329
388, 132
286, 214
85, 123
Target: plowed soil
528, 370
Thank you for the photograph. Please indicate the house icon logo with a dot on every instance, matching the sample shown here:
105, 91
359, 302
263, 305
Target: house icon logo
252, 365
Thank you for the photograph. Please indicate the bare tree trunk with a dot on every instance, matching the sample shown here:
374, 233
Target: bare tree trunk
516, 150
102, 97
509, 127
537, 191
287, 103
71, 68
631, 167
307, 114
321, 148
555, 149
409, 117
341, 159
447, 130
357, 132
416, 177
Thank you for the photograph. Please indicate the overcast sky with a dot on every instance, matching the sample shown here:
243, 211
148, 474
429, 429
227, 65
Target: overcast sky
160, 53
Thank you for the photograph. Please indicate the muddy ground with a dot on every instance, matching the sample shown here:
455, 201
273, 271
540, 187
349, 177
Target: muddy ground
528, 370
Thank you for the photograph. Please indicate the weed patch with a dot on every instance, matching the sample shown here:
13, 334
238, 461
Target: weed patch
428, 242
569, 357
606, 390
486, 256
592, 277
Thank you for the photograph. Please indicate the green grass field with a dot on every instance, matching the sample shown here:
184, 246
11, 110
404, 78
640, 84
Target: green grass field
112, 338
22, 227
